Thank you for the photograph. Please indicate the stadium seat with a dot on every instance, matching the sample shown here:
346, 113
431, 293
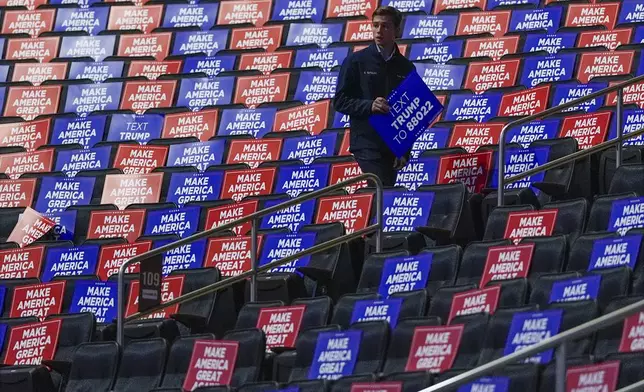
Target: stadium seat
94, 366
142, 365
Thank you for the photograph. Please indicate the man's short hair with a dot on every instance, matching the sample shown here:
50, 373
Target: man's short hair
391, 12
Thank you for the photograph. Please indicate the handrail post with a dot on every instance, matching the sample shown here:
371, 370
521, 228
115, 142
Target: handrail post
560, 368
379, 203
618, 124
253, 260
120, 305
501, 167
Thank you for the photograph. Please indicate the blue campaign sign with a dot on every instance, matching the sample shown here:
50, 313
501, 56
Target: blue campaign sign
437, 27
209, 65
551, 43
633, 120
97, 72
95, 297
410, 5
440, 52
180, 221
281, 245
566, 92
615, 252
534, 130
476, 107
292, 218
202, 15
404, 211
296, 10
432, 139
140, 128
417, 172
83, 99
639, 35
308, 148
188, 256
5, 327
540, 69
3, 293
79, 3
61, 261
294, 179
97, 47
206, 42
65, 224
326, 58
58, 193
405, 273
487, 384
632, 11
71, 162
90, 20
4, 70
341, 120
371, 310
441, 76
578, 289
626, 214
529, 328
320, 34
187, 187
413, 108
197, 93
547, 19
85, 131
520, 160
314, 86
335, 354
255, 122
197, 154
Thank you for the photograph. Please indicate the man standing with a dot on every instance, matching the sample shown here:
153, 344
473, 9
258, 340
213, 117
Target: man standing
366, 79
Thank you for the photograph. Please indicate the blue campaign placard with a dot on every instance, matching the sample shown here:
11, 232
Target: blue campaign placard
626, 214
256, 122
410, 5
341, 120
639, 35
547, 19
326, 58
551, 43
292, 218
540, 69
295, 179
441, 76
432, 139
188, 256
202, 15
615, 252
313, 86
518, 161
578, 289
437, 27
404, 211
197, 93
413, 108
180, 221
4, 70
61, 261
280, 245
83, 99
566, 92
405, 273
90, 20
440, 52
308, 148
3, 328
206, 42
197, 154
632, 11
487, 384
97, 72
187, 187
65, 224
140, 128
71, 162
97, 47
371, 310
79, 3
335, 354
209, 65
96, 297
3, 293
85, 131
475, 107
417, 172
296, 10
633, 120
529, 328
58, 193
320, 34
534, 130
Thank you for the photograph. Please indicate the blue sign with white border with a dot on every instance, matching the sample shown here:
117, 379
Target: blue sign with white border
335, 354
529, 328
405, 273
615, 252
60, 261
95, 297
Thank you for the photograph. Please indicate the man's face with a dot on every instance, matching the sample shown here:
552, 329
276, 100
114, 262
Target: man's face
384, 31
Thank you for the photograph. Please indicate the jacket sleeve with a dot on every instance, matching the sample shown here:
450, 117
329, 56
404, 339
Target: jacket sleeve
347, 98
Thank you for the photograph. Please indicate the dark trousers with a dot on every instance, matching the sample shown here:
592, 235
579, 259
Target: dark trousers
373, 162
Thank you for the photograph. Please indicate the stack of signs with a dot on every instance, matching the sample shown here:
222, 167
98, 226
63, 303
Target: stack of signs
62, 261
95, 297
474, 301
383, 386
434, 348
487, 384
171, 288
21, 263
212, 363
626, 214
507, 262
279, 246
529, 328
371, 310
405, 211
30, 227
30, 344
293, 217
230, 255
281, 325
472, 170
353, 211
336, 354
599, 377
632, 334
569, 290
530, 224
405, 273
615, 252
37, 300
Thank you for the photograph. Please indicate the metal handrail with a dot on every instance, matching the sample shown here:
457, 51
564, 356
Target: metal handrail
255, 269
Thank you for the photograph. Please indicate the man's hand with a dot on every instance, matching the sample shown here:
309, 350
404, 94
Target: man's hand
399, 163
380, 105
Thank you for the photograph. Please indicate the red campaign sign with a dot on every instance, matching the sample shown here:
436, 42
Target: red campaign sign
29, 102
21, 263
156, 45
153, 69
352, 211
344, 147
525, 102
474, 301
42, 49
238, 184
137, 159
30, 227
254, 151
30, 344
126, 224
265, 62
632, 334
494, 22
140, 96
171, 288
530, 224
358, 30
603, 14
212, 363
470, 169
230, 255
28, 22
344, 171
113, 256
598, 377
28, 134
434, 348
37, 300
281, 325
256, 12
589, 129
313, 118
201, 125
494, 48
482, 76
255, 90
442, 5
610, 39
267, 37
471, 136
441, 99
17, 193
507, 262
347, 8
220, 215
598, 64
633, 95
36, 73
29, 4
144, 19
16, 164
125, 189
383, 386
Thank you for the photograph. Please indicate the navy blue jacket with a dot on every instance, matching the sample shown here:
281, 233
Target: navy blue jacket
364, 77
